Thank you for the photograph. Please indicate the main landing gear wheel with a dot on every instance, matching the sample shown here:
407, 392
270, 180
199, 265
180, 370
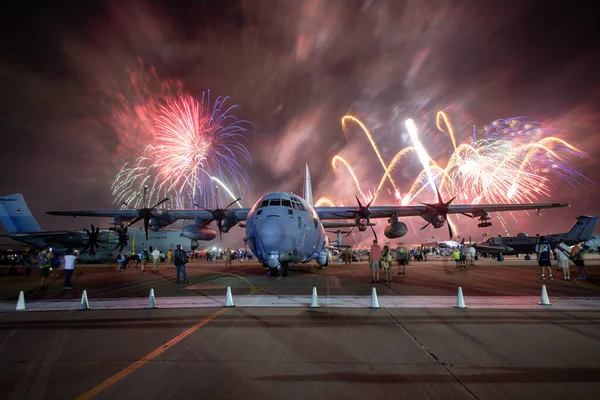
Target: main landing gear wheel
265, 267
284, 268
273, 272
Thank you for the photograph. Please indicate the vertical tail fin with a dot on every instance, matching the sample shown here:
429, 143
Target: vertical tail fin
583, 228
308, 195
15, 215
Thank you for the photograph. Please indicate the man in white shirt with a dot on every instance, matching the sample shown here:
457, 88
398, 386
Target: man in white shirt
562, 257
69, 268
155, 259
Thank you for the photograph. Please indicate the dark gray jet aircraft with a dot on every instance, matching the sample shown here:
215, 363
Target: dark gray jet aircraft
581, 231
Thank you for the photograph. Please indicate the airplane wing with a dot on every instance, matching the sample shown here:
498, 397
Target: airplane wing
475, 210
342, 224
36, 234
168, 214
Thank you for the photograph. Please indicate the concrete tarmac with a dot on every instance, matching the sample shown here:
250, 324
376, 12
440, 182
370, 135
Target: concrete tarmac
302, 353
247, 353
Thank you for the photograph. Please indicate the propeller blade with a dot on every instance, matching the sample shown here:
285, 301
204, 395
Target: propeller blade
439, 195
449, 229
232, 203
425, 226
374, 234
220, 225
146, 223
359, 203
133, 222
467, 215
130, 206
160, 202
374, 197
349, 233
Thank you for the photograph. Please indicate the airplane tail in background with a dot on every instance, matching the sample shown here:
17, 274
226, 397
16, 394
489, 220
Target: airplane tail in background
15, 215
308, 195
583, 228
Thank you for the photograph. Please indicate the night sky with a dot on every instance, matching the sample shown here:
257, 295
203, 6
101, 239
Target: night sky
295, 68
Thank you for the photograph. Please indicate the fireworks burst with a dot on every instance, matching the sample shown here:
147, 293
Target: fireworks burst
193, 143
513, 161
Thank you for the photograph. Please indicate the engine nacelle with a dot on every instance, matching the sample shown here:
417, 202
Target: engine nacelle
194, 232
395, 230
194, 245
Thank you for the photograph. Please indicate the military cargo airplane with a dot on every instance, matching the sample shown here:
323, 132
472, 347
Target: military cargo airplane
581, 231
283, 228
95, 244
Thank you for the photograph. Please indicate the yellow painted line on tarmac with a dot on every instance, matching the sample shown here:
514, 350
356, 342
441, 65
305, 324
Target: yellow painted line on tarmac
253, 289
147, 358
587, 285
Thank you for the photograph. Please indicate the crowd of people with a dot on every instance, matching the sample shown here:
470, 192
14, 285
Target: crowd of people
380, 259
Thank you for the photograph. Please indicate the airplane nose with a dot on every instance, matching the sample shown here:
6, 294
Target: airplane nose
270, 233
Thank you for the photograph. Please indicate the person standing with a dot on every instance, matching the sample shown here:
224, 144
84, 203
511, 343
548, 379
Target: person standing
45, 263
543, 258
402, 256
349, 255
170, 257
577, 254
375, 261
228, 256
144, 257
386, 263
69, 268
562, 257
155, 260
180, 258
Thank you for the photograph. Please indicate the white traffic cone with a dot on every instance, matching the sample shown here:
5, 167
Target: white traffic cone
229, 298
151, 300
374, 301
545, 300
315, 299
84, 305
21, 302
460, 301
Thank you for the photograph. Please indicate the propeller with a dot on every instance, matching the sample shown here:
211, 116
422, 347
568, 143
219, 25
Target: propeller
442, 208
123, 237
218, 214
93, 237
363, 212
144, 214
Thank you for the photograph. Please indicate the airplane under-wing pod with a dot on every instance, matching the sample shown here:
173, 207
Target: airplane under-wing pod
283, 229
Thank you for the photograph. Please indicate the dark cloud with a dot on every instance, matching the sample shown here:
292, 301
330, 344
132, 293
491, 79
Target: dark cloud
295, 68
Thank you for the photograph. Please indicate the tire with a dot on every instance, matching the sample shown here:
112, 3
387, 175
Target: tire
284, 269
273, 272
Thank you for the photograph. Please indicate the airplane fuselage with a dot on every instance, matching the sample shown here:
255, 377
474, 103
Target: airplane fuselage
60, 243
283, 228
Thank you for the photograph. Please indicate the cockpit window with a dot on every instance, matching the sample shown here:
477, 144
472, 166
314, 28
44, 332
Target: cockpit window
264, 203
275, 202
301, 207
286, 203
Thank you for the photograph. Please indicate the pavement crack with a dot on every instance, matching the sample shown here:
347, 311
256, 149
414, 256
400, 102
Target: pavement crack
431, 354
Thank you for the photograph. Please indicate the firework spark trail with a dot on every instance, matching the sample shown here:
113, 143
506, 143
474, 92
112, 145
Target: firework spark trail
442, 116
421, 153
343, 161
229, 192
371, 140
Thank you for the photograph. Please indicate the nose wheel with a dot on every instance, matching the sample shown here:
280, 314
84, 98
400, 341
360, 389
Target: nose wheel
283, 269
